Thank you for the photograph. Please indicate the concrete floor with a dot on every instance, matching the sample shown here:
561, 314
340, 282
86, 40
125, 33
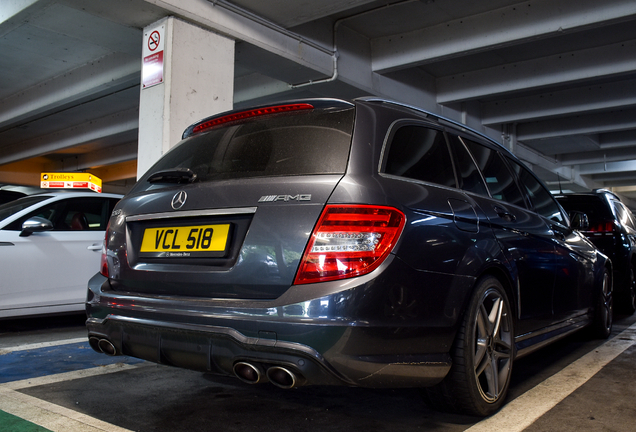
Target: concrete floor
58, 382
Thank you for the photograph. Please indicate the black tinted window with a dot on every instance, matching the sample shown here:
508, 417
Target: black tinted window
314, 142
420, 153
499, 179
75, 214
469, 177
540, 198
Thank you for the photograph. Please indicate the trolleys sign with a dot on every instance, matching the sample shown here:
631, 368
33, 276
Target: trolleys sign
71, 181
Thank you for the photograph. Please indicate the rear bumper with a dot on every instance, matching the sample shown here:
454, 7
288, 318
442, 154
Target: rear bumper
328, 340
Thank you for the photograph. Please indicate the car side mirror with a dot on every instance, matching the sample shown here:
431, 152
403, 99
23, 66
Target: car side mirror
35, 224
579, 221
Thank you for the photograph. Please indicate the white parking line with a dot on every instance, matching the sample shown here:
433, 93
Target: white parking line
55, 417
8, 350
521, 412
515, 416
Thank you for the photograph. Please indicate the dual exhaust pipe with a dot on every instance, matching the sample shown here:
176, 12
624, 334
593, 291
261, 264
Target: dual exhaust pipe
102, 345
254, 373
251, 373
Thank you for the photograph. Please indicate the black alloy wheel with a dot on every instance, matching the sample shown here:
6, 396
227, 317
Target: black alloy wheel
604, 310
630, 296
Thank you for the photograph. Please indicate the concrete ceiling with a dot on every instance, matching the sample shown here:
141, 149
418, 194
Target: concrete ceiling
553, 80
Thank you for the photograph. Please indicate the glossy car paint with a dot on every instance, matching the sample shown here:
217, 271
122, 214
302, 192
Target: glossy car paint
393, 327
47, 272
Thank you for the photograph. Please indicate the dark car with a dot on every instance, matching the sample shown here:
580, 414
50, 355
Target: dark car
362, 244
612, 228
10, 193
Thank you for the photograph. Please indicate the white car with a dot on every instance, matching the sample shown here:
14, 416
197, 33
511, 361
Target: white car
50, 246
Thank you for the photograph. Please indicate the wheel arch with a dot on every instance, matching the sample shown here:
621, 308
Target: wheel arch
508, 282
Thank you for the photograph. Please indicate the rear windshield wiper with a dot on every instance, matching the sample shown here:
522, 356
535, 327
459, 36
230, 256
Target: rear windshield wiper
174, 175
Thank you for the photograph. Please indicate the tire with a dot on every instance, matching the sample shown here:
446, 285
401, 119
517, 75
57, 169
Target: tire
604, 308
629, 298
483, 354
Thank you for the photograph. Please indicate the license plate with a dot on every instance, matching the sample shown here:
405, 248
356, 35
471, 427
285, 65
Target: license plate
185, 240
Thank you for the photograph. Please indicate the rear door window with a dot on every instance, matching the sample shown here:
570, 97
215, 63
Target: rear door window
499, 179
469, 177
540, 198
419, 153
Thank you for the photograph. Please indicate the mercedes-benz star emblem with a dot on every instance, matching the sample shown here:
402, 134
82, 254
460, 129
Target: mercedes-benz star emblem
179, 199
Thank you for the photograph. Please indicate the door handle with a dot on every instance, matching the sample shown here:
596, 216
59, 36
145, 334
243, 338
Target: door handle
504, 214
95, 247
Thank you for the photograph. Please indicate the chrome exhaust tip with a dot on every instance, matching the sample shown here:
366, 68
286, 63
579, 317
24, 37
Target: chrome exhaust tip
107, 347
249, 373
93, 341
282, 377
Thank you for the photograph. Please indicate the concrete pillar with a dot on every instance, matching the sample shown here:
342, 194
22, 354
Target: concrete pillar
197, 81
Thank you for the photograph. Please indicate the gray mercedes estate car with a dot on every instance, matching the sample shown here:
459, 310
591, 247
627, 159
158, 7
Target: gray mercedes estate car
362, 243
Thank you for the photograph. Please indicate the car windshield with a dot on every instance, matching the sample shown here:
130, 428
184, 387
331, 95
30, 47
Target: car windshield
13, 207
317, 142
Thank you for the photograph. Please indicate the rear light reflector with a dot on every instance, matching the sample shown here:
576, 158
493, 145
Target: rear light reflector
349, 241
244, 115
103, 265
602, 227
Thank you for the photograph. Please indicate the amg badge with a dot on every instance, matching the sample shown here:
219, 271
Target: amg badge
272, 198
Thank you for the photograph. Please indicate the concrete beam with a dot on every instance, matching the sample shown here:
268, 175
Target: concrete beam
91, 81
609, 167
612, 155
578, 125
598, 97
98, 158
220, 17
594, 63
510, 25
117, 124
13, 13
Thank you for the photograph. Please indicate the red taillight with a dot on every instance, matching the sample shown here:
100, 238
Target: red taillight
602, 227
243, 115
103, 265
348, 241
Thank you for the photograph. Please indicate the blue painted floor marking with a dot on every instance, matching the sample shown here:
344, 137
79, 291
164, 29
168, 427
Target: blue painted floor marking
20, 365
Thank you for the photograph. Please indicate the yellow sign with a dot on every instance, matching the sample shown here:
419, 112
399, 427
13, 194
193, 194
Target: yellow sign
71, 180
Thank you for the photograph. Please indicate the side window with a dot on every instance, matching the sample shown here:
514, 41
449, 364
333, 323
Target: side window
540, 198
75, 214
420, 153
468, 175
499, 179
83, 214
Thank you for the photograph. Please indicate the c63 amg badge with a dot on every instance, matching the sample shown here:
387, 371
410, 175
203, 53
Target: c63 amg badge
273, 198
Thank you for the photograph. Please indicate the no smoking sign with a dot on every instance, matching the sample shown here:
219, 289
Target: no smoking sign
152, 66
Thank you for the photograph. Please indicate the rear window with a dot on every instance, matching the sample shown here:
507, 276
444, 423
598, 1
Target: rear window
593, 206
301, 143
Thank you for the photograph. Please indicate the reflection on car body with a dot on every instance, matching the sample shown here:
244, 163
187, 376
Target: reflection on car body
50, 246
427, 255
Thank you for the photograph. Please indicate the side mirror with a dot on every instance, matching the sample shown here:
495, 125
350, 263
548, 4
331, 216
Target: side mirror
35, 224
579, 221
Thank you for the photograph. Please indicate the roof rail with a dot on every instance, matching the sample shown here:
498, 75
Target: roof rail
607, 191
